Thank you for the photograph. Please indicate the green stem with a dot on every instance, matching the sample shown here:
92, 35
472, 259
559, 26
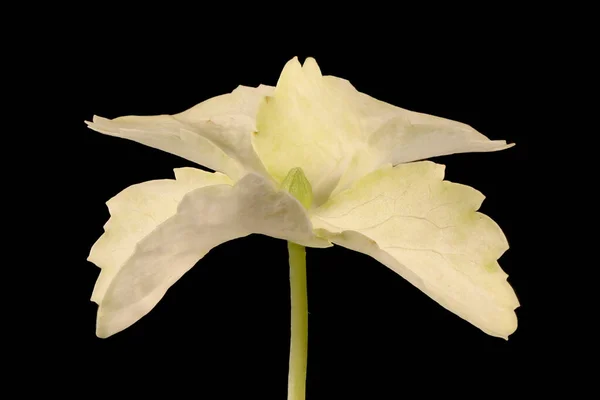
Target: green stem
299, 339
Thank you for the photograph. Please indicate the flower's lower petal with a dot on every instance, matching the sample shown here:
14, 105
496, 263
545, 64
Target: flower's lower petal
215, 133
428, 231
135, 213
159, 230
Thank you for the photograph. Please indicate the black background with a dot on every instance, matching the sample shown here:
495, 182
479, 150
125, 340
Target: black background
224, 327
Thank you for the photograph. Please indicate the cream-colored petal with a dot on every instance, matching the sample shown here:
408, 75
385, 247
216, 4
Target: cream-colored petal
429, 231
136, 212
396, 135
159, 230
411, 136
305, 124
405, 135
215, 133
337, 134
229, 121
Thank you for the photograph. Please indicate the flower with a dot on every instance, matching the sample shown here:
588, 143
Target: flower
360, 183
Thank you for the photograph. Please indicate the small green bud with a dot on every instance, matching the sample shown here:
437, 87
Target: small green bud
298, 186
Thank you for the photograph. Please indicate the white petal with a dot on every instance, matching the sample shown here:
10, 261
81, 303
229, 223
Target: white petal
337, 134
229, 121
136, 212
428, 231
203, 219
305, 124
396, 135
407, 135
411, 136
215, 133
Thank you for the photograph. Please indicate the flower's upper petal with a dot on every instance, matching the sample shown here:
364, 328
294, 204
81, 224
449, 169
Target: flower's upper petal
404, 135
395, 135
158, 230
428, 231
215, 133
306, 124
337, 134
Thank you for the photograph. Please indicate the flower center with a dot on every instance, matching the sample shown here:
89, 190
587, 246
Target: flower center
298, 186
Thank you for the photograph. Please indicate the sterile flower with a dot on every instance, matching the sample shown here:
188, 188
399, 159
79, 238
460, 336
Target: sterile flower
315, 162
